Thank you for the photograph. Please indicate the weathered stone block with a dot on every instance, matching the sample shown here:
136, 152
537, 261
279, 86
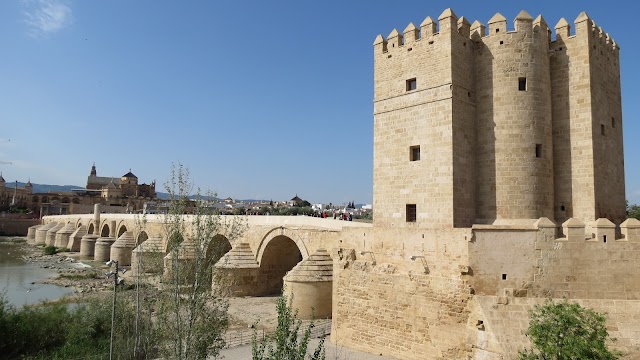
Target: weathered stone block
630, 229
573, 230
604, 230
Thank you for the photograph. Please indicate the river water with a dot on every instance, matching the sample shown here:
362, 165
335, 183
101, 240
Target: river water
19, 279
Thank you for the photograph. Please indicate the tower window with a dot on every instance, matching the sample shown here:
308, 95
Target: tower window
411, 84
411, 212
613, 122
538, 150
414, 153
602, 129
522, 84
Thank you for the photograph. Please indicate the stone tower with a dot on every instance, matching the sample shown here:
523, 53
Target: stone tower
587, 116
28, 187
501, 127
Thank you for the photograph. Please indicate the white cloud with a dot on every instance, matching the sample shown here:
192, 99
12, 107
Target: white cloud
46, 16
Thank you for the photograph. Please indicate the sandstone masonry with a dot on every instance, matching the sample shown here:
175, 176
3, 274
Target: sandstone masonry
475, 127
498, 182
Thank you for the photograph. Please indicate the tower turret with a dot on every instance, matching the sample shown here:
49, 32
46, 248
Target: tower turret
28, 187
515, 145
418, 83
587, 115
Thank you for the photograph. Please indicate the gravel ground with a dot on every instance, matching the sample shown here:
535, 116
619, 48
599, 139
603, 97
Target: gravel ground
331, 350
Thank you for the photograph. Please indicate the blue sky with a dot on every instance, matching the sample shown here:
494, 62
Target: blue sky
259, 99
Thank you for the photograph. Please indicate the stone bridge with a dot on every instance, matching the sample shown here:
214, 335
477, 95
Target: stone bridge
271, 251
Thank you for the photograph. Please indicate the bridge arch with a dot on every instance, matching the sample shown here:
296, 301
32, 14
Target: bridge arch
281, 231
280, 250
218, 246
90, 229
105, 230
142, 237
121, 229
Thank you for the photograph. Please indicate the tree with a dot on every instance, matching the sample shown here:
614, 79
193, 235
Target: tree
284, 344
633, 211
190, 315
564, 330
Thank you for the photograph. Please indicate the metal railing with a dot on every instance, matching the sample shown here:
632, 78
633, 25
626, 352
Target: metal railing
238, 337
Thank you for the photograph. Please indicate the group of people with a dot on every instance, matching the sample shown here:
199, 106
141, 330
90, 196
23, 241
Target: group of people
336, 215
342, 216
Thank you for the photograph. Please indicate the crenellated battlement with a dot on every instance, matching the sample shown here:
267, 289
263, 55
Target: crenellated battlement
601, 230
448, 21
585, 26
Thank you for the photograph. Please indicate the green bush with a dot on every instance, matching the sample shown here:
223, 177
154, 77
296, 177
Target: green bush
57, 331
53, 331
565, 330
50, 250
284, 344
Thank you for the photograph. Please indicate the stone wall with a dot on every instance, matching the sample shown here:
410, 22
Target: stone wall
503, 257
587, 269
16, 227
404, 315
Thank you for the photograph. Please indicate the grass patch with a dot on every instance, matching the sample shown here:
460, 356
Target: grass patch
51, 250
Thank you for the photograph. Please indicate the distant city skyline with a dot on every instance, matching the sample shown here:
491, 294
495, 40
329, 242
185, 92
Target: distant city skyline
260, 100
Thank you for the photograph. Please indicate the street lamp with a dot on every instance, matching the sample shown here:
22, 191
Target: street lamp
116, 281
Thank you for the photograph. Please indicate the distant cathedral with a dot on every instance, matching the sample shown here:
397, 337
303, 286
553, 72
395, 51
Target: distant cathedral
117, 195
125, 186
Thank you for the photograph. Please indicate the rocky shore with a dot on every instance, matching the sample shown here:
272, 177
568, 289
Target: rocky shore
84, 276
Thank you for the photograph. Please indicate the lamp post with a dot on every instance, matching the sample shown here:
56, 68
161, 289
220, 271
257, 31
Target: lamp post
116, 281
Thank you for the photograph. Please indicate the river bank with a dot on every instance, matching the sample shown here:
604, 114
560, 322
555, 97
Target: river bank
29, 276
83, 279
